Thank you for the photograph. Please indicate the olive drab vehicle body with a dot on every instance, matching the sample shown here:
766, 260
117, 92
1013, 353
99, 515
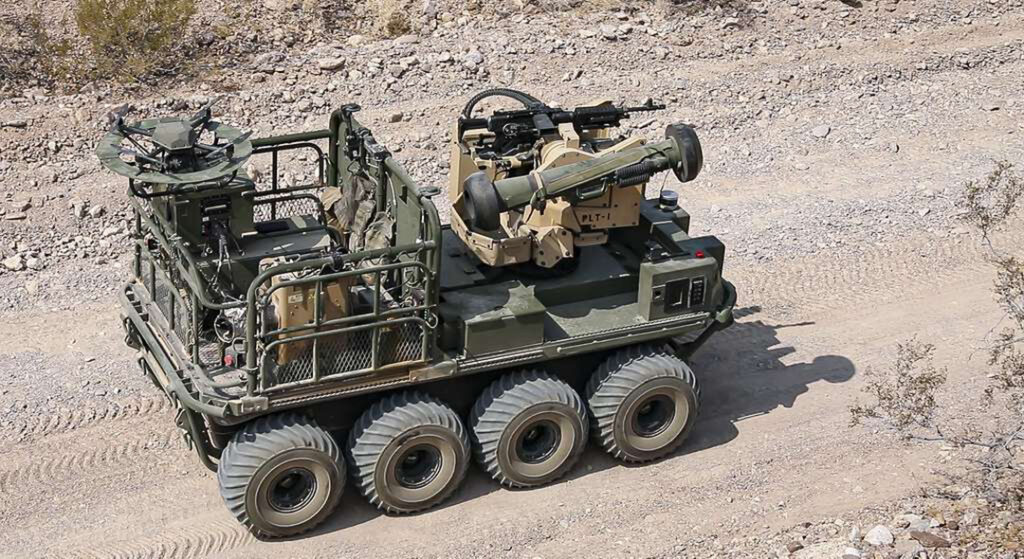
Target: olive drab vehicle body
313, 336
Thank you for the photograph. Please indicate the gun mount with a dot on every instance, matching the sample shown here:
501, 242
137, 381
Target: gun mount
586, 180
532, 185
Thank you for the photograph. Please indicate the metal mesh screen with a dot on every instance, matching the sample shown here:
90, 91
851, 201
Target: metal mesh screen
352, 351
162, 297
405, 343
294, 370
348, 352
183, 321
267, 210
209, 353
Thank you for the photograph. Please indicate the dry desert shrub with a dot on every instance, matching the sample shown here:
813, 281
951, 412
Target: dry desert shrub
392, 17
130, 39
904, 397
28, 52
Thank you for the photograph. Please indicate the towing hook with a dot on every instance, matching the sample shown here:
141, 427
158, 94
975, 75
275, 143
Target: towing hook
131, 335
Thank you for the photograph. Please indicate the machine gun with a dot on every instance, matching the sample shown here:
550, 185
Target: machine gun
518, 129
530, 186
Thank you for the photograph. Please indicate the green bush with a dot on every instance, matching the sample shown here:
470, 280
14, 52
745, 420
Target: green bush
133, 38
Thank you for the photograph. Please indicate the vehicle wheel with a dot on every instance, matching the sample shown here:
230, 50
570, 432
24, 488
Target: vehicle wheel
643, 402
281, 475
408, 452
529, 428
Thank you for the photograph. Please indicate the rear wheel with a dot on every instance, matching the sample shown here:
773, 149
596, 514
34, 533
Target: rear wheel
281, 475
643, 403
528, 428
408, 452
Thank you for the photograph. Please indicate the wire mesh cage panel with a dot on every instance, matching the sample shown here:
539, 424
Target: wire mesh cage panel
183, 321
403, 343
210, 353
351, 351
163, 296
303, 202
294, 170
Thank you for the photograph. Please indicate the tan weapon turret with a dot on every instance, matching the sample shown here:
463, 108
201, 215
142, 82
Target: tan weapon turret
532, 185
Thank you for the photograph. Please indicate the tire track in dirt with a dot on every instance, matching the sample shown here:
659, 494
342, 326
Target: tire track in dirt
47, 425
876, 278
49, 467
195, 540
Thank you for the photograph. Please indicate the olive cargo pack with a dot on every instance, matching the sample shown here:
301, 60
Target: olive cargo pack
337, 332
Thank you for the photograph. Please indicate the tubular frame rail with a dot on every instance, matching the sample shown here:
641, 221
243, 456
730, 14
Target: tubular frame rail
271, 146
260, 342
410, 267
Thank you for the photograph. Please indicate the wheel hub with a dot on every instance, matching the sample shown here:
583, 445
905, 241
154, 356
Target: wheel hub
292, 490
418, 466
538, 442
653, 415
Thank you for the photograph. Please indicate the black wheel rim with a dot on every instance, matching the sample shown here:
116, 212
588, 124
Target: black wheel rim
653, 415
538, 442
292, 490
418, 466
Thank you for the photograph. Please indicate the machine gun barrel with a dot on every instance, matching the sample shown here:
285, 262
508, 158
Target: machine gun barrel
583, 118
485, 200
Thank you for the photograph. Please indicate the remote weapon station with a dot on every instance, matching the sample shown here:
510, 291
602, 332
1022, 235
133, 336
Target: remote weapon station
313, 335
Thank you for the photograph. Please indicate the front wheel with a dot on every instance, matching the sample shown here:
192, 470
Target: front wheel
643, 403
281, 475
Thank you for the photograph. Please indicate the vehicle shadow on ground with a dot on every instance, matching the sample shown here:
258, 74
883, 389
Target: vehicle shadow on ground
742, 375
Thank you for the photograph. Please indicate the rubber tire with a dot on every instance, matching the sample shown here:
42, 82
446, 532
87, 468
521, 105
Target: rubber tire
269, 444
395, 424
621, 383
498, 416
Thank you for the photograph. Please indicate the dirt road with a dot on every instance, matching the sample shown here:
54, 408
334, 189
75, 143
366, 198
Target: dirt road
773, 447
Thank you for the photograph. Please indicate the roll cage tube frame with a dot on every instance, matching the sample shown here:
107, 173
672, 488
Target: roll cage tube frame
359, 145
